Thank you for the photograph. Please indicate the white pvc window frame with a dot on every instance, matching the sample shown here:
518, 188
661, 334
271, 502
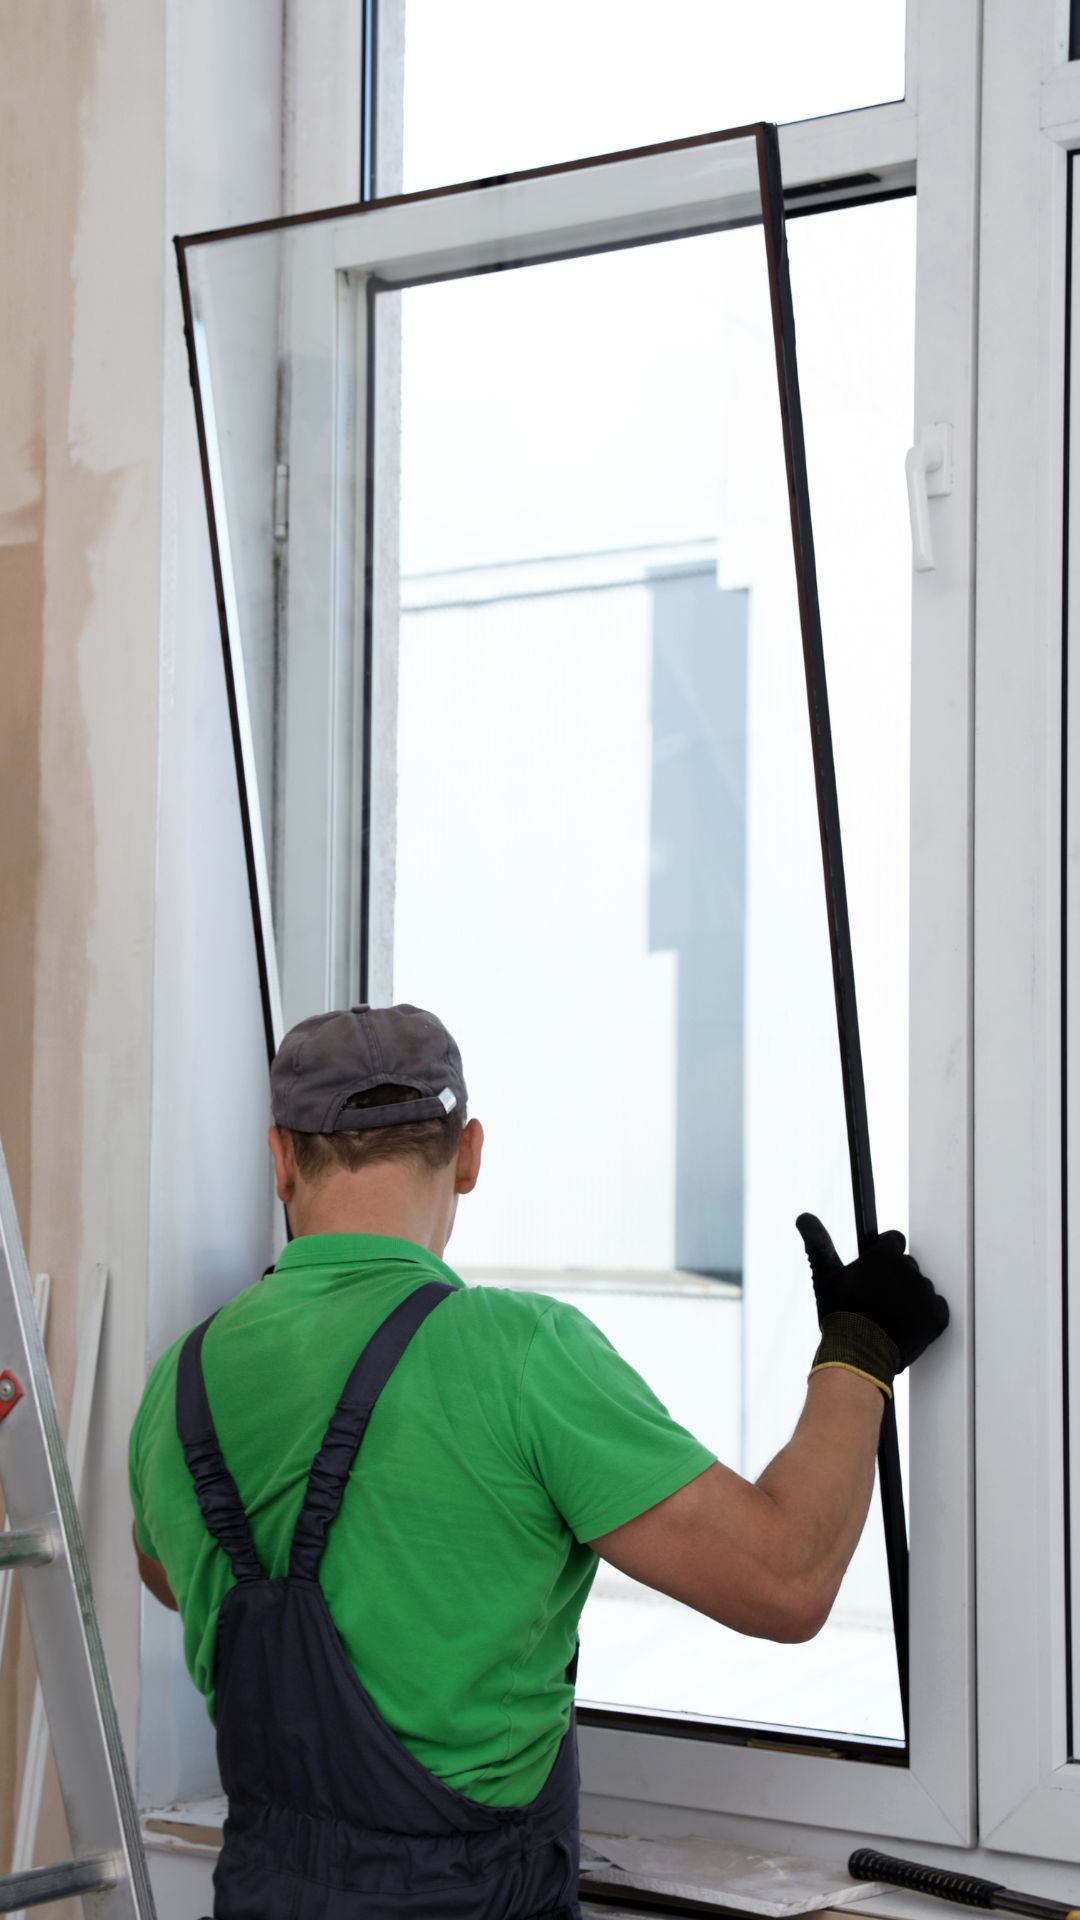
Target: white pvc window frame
1029, 1782
929, 139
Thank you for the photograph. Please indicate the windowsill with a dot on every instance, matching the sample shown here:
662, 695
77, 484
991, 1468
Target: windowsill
661, 1281
194, 1828
191, 1826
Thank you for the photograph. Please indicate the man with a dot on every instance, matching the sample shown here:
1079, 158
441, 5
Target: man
386, 1632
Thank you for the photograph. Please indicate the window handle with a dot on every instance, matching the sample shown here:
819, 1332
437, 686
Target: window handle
929, 469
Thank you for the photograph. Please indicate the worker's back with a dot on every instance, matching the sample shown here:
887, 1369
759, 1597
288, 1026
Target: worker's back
455, 1575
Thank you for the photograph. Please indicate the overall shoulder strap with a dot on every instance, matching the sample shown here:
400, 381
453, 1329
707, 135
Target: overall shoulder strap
215, 1488
348, 1424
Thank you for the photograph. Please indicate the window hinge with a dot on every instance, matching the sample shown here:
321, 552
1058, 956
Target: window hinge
281, 501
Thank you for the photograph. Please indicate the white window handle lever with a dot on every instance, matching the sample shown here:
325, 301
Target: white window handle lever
929, 469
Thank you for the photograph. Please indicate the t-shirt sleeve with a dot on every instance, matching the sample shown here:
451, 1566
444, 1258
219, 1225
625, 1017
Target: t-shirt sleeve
593, 1431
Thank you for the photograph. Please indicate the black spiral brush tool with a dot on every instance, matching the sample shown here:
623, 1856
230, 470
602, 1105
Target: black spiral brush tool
964, 1888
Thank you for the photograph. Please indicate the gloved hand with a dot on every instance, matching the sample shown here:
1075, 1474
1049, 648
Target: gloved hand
877, 1314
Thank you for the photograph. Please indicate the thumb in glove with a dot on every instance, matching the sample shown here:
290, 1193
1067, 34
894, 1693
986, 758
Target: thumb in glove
882, 1311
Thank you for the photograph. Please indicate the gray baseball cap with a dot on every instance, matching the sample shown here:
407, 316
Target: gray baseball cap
328, 1058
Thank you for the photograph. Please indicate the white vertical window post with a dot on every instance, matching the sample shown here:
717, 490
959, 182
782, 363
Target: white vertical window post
1029, 1784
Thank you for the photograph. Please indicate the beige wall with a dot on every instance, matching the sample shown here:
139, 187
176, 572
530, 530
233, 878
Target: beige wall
80, 460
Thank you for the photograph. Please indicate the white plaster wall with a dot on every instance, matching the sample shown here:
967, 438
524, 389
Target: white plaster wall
211, 1218
262, 117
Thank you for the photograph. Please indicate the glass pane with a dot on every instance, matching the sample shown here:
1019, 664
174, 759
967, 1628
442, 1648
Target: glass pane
492, 88
583, 826
599, 627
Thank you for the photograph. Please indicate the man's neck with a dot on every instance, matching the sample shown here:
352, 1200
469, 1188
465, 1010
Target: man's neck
390, 1200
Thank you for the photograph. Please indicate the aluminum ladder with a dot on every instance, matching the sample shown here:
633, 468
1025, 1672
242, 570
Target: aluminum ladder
44, 1544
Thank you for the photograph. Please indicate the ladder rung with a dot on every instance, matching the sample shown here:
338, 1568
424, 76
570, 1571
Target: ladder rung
26, 1547
95, 1874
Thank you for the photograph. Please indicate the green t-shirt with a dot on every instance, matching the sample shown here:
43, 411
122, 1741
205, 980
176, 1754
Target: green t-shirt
510, 1433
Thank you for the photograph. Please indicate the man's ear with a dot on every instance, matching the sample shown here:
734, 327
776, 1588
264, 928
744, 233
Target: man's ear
470, 1149
283, 1155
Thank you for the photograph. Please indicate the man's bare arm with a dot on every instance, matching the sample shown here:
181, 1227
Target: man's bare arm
154, 1576
767, 1557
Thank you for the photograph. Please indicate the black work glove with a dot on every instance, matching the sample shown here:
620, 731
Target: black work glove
877, 1314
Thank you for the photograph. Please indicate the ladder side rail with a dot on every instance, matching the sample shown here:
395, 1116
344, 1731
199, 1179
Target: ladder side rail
83, 1724
91, 1315
41, 1308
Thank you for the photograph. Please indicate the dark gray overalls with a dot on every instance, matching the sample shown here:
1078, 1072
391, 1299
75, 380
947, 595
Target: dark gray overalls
330, 1816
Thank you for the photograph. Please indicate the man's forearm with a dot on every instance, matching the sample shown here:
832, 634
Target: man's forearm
767, 1557
821, 1483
